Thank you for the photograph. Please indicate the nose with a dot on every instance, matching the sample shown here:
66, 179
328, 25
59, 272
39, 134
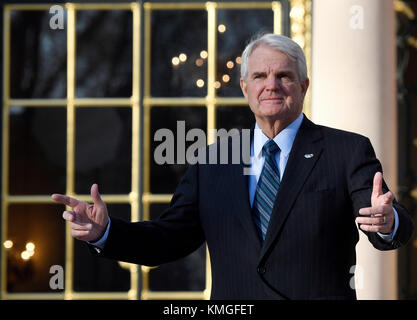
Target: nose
272, 83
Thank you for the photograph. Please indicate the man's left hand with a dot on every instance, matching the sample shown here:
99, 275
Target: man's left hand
380, 216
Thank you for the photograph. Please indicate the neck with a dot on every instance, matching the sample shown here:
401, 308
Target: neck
271, 128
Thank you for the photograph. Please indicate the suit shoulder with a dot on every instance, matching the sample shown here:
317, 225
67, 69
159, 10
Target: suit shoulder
338, 134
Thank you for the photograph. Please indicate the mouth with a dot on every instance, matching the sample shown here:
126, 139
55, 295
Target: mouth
273, 99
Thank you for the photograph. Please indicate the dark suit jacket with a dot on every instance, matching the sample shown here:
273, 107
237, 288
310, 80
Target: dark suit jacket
310, 244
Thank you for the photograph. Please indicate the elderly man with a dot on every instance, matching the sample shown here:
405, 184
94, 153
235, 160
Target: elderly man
287, 231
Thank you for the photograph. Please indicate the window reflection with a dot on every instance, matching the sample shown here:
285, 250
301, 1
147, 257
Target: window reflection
104, 53
178, 37
44, 228
103, 150
38, 56
37, 150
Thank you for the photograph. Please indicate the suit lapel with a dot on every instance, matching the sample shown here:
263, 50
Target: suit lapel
241, 199
305, 152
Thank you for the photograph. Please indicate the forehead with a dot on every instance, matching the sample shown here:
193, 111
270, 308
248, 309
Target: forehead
265, 57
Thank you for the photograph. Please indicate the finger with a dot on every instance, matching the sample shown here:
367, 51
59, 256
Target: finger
380, 220
71, 202
95, 195
388, 197
81, 226
373, 228
377, 187
80, 234
69, 216
369, 211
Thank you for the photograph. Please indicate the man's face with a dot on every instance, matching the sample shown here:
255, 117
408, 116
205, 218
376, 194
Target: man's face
272, 87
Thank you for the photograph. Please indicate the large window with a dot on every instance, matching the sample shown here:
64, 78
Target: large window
82, 100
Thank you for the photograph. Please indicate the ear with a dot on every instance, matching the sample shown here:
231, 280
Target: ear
243, 86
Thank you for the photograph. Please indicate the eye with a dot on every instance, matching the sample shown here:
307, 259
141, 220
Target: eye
258, 76
285, 78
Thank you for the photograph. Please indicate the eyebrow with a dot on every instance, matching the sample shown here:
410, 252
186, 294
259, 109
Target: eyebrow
280, 73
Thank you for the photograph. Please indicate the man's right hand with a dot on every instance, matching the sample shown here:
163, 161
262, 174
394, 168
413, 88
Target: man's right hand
88, 221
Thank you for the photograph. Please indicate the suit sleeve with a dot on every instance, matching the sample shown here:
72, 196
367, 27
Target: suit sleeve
361, 170
174, 235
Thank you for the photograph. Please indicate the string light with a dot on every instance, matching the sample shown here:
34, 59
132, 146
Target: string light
30, 246
204, 54
199, 62
8, 244
175, 61
238, 60
230, 64
25, 255
200, 83
183, 57
226, 78
217, 84
221, 28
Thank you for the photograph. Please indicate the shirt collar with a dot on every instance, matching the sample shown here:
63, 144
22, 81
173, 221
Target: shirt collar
284, 139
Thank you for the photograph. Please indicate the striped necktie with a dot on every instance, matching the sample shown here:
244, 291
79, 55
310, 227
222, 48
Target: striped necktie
266, 189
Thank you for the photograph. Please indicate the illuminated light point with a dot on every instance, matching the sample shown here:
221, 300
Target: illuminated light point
183, 57
238, 60
217, 84
204, 54
221, 28
199, 62
25, 255
8, 244
30, 246
200, 83
175, 61
230, 64
226, 78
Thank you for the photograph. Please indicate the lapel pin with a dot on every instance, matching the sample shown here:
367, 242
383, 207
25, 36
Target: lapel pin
308, 155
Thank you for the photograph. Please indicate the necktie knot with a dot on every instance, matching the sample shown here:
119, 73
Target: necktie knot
270, 148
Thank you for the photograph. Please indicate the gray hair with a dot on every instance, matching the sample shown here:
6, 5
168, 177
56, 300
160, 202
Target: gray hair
280, 43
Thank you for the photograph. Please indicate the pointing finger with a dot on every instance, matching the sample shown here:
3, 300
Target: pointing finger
377, 187
71, 202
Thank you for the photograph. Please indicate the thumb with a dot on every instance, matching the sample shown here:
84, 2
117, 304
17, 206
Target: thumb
95, 195
377, 187
388, 197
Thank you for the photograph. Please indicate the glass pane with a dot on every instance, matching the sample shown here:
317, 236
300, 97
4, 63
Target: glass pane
234, 117
178, 37
103, 150
43, 226
186, 274
104, 53
38, 56
92, 273
37, 150
239, 27
177, 121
